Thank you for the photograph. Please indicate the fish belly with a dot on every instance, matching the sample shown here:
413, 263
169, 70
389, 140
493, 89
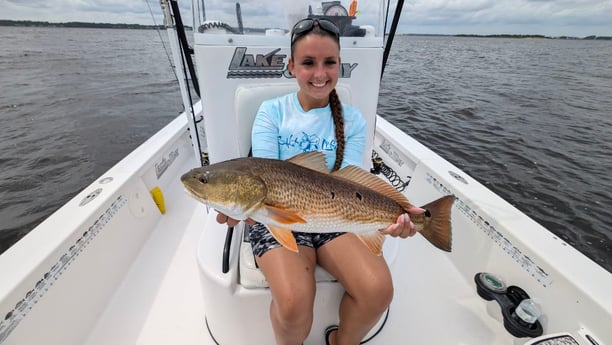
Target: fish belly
315, 224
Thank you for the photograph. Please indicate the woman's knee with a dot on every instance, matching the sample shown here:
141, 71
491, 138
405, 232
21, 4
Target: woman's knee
376, 294
292, 283
385, 294
294, 306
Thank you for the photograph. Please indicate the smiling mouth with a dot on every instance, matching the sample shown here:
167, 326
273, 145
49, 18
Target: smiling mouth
319, 84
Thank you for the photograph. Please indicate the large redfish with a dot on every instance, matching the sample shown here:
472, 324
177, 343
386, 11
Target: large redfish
299, 194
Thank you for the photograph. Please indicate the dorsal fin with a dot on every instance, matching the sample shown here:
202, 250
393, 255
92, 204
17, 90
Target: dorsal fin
313, 160
367, 179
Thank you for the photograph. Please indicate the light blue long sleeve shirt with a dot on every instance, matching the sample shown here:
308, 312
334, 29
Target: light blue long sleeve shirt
282, 129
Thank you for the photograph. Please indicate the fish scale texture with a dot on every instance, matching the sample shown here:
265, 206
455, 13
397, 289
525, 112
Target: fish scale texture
324, 200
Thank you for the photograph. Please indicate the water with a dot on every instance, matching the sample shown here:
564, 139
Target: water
531, 119
73, 103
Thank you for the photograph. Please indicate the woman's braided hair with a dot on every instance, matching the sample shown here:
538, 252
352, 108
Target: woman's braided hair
336, 110
334, 103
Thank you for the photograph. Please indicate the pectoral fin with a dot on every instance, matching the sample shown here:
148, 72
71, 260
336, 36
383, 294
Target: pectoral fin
283, 216
284, 237
373, 240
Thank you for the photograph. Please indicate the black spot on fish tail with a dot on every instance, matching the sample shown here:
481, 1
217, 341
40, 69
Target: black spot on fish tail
437, 228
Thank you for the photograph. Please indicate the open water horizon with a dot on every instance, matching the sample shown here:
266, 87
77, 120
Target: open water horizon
529, 118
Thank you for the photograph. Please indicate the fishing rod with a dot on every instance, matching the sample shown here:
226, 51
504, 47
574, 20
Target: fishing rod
182, 57
187, 50
392, 30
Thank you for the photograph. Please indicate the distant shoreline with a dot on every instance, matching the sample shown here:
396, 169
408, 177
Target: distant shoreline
32, 23
592, 37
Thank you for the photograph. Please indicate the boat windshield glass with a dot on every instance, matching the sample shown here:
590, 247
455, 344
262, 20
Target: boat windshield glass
354, 18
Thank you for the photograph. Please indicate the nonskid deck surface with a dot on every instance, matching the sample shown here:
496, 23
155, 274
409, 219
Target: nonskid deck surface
434, 304
160, 300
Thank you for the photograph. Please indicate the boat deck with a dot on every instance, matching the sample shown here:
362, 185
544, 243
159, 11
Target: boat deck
160, 300
434, 304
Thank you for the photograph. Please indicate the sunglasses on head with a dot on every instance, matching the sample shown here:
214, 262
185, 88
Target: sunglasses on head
304, 26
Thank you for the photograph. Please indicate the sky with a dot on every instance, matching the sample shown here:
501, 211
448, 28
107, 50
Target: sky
546, 17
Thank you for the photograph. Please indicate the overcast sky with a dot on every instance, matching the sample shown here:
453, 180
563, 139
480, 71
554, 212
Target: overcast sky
546, 17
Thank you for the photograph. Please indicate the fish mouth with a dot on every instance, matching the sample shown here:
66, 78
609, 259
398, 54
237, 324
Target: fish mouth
195, 196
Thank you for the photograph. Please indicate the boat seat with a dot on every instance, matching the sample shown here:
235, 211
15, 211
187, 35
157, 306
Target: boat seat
247, 99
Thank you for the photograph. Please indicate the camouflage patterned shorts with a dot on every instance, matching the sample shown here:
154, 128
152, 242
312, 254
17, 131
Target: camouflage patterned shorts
261, 239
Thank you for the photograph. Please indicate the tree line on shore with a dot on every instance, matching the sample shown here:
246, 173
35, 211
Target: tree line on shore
5, 22
591, 37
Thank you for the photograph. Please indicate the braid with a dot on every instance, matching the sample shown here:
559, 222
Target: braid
336, 109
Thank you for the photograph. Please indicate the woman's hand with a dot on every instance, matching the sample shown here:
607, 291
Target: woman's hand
231, 222
403, 226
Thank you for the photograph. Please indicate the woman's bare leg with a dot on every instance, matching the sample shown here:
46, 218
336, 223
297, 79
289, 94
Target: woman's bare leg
367, 281
292, 283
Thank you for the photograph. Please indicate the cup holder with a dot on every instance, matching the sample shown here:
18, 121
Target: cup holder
520, 319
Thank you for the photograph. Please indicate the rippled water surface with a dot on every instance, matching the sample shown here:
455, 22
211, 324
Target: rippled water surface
531, 119
73, 102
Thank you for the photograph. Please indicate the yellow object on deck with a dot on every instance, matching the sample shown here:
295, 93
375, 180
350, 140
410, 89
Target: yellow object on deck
158, 197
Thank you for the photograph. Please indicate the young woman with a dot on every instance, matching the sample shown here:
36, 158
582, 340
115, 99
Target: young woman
314, 119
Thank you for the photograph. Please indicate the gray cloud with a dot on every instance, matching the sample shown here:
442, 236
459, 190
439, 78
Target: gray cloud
550, 17
510, 16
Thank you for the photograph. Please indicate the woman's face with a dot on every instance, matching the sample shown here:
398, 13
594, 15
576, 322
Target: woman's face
315, 64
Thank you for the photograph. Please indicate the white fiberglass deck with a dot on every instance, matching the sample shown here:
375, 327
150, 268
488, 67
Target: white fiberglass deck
159, 301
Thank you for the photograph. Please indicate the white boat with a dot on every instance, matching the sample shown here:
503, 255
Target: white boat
110, 267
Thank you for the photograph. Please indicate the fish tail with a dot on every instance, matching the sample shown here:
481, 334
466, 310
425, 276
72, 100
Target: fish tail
437, 229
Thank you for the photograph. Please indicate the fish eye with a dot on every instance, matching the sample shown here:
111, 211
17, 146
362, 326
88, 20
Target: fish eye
427, 213
203, 179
